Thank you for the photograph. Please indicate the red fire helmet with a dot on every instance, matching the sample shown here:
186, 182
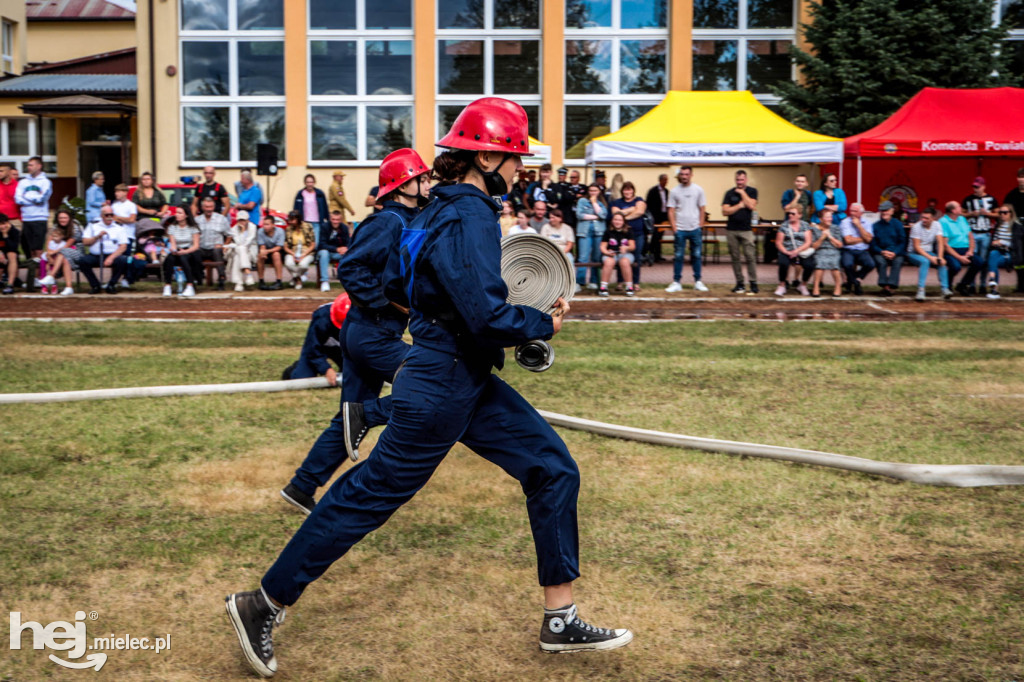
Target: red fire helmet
398, 168
339, 309
490, 124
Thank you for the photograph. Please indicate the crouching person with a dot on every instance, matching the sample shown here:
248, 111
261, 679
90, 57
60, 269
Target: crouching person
321, 343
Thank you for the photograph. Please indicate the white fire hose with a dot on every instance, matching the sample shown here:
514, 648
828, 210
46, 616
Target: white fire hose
537, 273
958, 475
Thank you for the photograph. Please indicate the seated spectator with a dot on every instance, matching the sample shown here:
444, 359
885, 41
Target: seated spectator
830, 196
333, 245
507, 218
857, 236
270, 239
242, 252
153, 244
559, 232
958, 246
540, 216
107, 242
617, 247
183, 249
888, 246
10, 238
299, 247
793, 243
827, 244
591, 213
54, 263
633, 209
1000, 254
1015, 198
926, 251
214, 232
321, 343
67, 230
522, 225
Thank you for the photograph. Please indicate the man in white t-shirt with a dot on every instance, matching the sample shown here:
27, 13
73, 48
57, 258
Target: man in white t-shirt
686, 204
107, 242
125, 211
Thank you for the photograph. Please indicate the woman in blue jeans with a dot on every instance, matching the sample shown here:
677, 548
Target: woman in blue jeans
591, 218
1000, 255
632, 209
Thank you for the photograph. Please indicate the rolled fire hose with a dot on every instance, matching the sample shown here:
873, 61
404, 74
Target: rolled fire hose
537, 273
958, 475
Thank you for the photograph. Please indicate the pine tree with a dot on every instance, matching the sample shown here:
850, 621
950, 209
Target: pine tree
870, 56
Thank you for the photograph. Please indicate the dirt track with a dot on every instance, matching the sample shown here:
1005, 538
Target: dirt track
218, 306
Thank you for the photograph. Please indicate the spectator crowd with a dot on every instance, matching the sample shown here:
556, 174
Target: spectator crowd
610, 232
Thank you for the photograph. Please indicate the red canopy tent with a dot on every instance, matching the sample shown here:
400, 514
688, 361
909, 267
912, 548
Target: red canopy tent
935, 145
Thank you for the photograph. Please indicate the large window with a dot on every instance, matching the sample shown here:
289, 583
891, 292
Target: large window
1012, 11
488, 47
7, 45
232, 79
18, 142
616, 66
743, 45
360, 80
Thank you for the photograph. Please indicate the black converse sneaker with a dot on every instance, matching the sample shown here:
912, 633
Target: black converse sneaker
254, 619
563, 632
355, 428
298, 499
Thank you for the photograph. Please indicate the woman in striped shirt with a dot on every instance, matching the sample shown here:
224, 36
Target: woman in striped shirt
184, 248
999, 255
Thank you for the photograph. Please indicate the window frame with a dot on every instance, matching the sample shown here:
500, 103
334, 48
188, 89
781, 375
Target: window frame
19, 160
7, 46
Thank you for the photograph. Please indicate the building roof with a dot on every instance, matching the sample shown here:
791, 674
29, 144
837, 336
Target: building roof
115, 61
78, 83
72, 10
80, 104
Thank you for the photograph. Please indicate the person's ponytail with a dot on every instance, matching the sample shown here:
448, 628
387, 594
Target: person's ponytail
452, 165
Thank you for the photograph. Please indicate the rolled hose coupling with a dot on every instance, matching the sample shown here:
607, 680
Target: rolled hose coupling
537, 273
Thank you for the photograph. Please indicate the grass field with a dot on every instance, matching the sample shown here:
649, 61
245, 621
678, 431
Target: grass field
149, 511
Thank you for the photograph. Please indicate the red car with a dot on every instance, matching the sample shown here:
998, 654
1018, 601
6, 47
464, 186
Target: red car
178, 194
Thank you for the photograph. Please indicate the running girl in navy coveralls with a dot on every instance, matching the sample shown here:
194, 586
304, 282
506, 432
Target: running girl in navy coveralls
445, 392
371, 338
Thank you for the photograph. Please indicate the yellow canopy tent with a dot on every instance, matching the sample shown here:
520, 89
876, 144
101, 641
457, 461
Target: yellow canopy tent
712, 128
541, 151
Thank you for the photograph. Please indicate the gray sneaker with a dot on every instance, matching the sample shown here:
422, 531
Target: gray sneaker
920, 294
254, 622
563, 632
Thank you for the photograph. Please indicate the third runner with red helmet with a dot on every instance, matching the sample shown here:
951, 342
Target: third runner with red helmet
446, 392
371, 339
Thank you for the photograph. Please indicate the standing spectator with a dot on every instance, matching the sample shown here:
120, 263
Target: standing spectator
1015, 197
888, 246
10, 239
739, 205
600, 179
657, 205
95, 197
557, 231
507, 218
333, 244
311, 203
563, 197
520, 194
150, 203
540, 190
336, 200
857, 236
686, 210
633, 209
1000, 255
617, 247
828, 240
250, 197
183, 235
926, 251
33, 196
540, 215
578, 189
214, 231
242, 252
126, 212
371, 200
794, 244
8, 185
209, 188
799, 198
299, 247
979, 208
830, 196
107, 242
591, 214
958, 245
270, 240
522, 225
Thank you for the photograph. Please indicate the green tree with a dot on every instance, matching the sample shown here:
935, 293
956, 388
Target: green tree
870, 56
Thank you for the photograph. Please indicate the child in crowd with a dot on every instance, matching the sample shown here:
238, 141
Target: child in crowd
522, 225
55, 263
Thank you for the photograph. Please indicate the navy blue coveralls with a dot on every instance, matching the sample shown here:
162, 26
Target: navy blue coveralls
443, 393
371, 339
321, 345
